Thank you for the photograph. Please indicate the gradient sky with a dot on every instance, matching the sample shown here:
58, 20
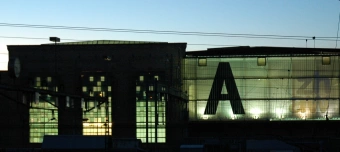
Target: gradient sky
275, 17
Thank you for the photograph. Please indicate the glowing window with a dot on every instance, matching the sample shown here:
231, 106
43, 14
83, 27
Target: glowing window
102, 78
261, 61
161, 140
49, 79
202, 62
67, 101
137, 88
84, 89
156, 77
160, 134
109, 88
326, 60
99, 83
42, 126
141, 78
37, 79
91, 78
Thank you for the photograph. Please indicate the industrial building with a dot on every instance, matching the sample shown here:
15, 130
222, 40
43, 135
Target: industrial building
156, 92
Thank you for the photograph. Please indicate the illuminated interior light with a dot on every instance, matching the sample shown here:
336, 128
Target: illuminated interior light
205, 117
255, 111
303, 116
280, 112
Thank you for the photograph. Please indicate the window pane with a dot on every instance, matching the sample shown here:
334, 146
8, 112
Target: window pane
202, 62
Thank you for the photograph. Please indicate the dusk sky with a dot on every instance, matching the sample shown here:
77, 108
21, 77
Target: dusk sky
309, 18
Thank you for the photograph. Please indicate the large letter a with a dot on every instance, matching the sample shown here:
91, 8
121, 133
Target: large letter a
224, 74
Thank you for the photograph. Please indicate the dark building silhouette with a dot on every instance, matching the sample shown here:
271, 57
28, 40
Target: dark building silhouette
217, 99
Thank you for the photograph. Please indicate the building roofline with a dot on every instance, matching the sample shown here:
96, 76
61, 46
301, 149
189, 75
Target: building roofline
102, 42
262, 51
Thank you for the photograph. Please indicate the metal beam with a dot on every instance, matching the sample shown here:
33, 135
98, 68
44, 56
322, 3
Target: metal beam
52, 93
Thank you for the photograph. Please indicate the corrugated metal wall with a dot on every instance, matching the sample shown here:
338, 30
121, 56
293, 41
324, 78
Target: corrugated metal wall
285, 88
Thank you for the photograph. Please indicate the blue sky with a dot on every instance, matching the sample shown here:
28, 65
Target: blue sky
275, 17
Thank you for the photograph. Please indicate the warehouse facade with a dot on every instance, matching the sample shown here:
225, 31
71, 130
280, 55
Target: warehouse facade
122, 89
262, 83
160, 94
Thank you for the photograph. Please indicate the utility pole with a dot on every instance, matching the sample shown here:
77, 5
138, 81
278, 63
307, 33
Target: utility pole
147, 112
156, 110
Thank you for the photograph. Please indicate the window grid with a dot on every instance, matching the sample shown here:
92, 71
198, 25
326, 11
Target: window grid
96, 123
141, 117
43, 122
284, 88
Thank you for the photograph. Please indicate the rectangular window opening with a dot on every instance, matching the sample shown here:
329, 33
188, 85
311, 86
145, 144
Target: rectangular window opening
261, 61
49, 79
202, 62
326, 60
84, 89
